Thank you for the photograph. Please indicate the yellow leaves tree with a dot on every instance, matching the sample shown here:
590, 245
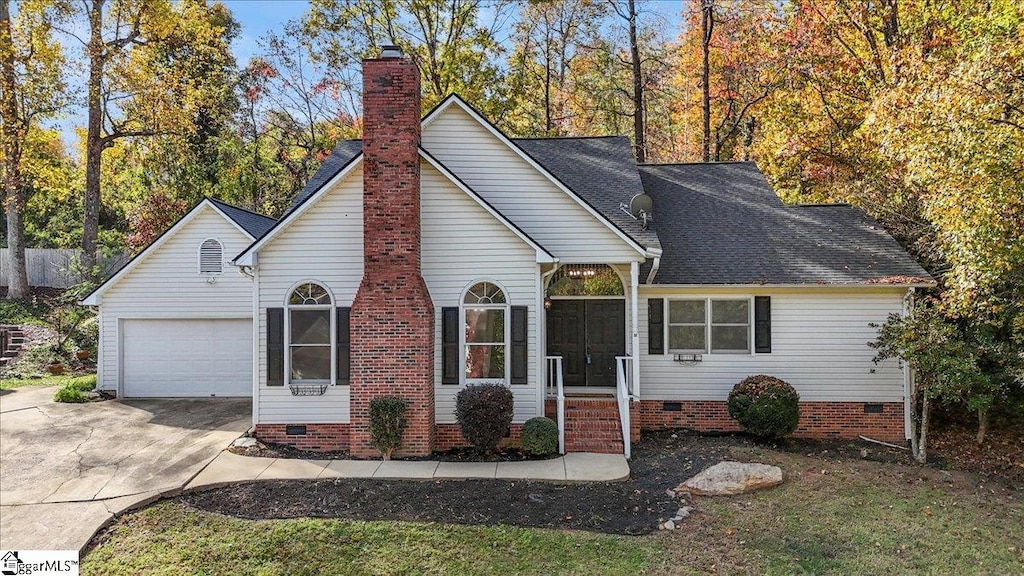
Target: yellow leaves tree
32, 82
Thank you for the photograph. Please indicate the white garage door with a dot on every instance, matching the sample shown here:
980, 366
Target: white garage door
186, 358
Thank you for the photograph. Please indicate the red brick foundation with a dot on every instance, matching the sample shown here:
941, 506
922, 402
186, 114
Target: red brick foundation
818, 420
318, 437
448, 436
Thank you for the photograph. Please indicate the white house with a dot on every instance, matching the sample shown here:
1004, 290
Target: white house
438, 253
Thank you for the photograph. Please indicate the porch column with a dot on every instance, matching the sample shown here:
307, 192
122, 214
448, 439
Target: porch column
634, 283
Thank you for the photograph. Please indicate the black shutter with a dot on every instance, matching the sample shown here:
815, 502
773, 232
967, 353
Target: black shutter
520, 361
275, 346
762, 324
344, 345
450, 345
655, 326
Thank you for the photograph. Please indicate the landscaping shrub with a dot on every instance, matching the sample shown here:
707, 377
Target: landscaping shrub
82, 383
387, 424
540, 436
765, 406
484, 413
72, 392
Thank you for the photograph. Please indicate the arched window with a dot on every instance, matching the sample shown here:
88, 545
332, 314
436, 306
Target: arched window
485, 335
310, 334
211, 257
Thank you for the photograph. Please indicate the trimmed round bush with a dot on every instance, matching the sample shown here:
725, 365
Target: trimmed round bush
484, 413
765, 406
387, 424
540, 436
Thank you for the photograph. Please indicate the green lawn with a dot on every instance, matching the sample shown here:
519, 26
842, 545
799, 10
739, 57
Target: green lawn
171, 538
830, 517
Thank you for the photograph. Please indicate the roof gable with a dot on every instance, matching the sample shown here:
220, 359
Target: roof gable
454, 101
206, 204
543, 256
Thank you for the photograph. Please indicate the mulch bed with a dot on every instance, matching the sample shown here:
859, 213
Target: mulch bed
634, 507
272, 450
1000, 457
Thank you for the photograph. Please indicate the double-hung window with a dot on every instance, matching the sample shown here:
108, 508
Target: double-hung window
309, 333
718, 325
485, 313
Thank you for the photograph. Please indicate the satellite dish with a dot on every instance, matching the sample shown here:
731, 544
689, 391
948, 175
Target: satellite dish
640, 206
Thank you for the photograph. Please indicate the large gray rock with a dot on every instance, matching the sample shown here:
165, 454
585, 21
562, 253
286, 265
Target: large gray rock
728, 478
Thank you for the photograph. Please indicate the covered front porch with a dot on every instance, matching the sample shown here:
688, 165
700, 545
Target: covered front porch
591, 338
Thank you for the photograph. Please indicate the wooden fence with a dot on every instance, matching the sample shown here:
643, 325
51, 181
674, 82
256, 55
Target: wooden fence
54, 267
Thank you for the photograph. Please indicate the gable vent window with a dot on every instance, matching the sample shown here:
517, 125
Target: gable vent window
211, 257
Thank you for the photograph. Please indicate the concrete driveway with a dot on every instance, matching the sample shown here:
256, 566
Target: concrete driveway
67, 468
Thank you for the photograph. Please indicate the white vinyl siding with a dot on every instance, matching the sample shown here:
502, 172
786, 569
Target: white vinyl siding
325, 245
521, 193
819, 345
463, 244
165, 285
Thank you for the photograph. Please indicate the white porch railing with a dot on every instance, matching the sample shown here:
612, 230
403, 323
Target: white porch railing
556, 389
625, 392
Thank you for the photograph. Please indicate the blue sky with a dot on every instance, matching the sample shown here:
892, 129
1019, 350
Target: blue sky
257, 17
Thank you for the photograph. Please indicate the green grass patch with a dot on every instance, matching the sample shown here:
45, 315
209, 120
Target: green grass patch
867, 518
40, 382
172, 538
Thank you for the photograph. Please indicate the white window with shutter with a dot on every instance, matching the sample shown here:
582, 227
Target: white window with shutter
211, 257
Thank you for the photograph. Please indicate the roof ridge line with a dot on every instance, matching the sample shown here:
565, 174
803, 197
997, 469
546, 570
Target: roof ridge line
569, 137
697, 163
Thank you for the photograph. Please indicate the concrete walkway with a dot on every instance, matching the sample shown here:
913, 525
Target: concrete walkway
229, 468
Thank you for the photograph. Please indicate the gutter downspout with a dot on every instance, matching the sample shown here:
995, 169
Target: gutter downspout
656, 254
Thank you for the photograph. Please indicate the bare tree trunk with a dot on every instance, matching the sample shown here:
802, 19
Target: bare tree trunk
93, 139
547, 86
982, 424
921, 452
707, 26
640, 146
13, 134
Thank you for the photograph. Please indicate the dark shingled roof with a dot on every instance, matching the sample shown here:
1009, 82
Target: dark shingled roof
601, 170
255, 224
717, 223
729, 227
342, 154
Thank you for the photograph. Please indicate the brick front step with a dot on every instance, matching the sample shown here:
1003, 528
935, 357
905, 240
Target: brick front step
592, 425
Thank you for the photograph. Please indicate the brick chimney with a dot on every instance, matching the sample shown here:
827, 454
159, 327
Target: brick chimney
392, 317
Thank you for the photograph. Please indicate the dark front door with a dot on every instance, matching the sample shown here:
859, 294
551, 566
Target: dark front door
588, 335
